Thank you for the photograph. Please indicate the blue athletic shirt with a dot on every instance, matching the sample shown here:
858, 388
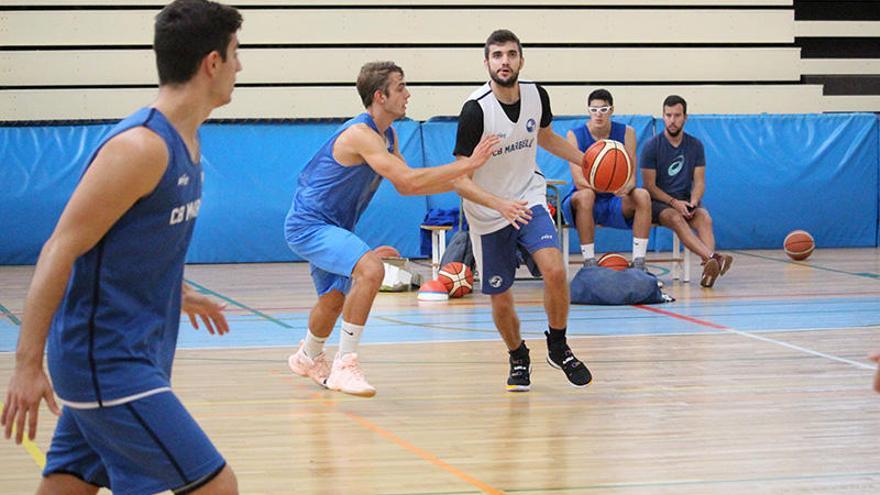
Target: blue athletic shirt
328, 192
674, 166
113, 337
585, 139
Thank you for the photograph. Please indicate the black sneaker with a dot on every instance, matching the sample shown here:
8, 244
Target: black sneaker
561, 358
520, 369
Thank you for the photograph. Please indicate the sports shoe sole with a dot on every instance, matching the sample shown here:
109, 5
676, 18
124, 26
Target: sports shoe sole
726, 264
557, 367
365, 393
519, 388
710, 273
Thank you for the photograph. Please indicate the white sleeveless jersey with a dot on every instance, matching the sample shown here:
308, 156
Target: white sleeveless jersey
512, 172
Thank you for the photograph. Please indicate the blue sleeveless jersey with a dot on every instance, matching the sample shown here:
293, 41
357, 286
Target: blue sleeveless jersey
585, 140
330, 193
114, 335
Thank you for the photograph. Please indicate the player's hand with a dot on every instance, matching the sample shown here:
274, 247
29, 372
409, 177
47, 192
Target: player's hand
208, 310
623, 191
682, 207
515, 212
27, 387
876, 358
484, 150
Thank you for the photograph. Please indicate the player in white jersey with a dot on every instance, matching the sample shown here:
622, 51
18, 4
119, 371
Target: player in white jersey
506, 205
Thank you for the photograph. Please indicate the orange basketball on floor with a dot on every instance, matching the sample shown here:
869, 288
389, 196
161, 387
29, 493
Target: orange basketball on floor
457, 278
799, 245
433, 290
606, 165
613, 261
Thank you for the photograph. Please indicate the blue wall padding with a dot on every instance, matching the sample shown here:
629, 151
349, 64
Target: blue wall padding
251, 175
771, 174
39, 168
767, 175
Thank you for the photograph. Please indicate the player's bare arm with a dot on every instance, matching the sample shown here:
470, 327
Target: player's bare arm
699, 187
127, 168
577, 171
516, 212
630, 146
371, 148
558, 146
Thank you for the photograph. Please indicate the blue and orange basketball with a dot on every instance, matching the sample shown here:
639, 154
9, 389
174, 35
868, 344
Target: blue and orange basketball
606, 165
613, 261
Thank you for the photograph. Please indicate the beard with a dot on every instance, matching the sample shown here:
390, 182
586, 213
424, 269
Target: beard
676, 133
505, 83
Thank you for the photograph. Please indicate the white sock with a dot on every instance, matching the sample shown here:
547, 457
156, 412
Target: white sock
640, 248
314, 345
588, 250
351, 336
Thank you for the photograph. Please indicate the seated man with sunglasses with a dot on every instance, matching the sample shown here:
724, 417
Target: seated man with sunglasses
628, 208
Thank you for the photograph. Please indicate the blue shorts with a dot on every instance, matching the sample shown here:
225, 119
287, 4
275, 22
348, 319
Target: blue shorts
495, 253
607, 212
332, 253
145, 446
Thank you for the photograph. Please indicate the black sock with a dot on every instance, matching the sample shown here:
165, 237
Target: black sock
520, 352
556, 335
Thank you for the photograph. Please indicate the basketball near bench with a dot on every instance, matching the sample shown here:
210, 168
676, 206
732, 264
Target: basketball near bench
799, 245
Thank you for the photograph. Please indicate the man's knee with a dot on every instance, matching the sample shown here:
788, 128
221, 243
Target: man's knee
641, 197
673, 219
369, 270
702, 217
583, 199
224, 483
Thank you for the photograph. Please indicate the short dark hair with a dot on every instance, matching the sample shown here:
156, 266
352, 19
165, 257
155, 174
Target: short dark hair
600, 94
673, 100
188, 30
500, 37
374, 77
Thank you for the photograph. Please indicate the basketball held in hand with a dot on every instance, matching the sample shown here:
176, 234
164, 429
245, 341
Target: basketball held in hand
606, 166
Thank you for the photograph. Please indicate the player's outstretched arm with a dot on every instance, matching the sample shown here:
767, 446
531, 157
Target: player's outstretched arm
127, 168
557, 145
205, 308
409, 181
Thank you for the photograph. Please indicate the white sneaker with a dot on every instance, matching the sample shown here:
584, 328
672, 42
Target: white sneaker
318, 369
347, 376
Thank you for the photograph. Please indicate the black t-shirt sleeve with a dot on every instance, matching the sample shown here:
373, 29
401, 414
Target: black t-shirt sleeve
470, 128
546, 113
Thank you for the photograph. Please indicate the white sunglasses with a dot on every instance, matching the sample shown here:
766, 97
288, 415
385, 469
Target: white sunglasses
598, 110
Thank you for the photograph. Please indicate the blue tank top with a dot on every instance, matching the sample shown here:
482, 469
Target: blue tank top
113, 337
585, 140
328, 192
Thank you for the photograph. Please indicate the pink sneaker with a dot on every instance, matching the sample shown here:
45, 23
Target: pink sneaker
347, 376
317, 369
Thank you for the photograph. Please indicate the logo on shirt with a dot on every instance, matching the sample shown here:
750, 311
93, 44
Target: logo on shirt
676, 166
183, 180
185, 212
530, 125
496, 281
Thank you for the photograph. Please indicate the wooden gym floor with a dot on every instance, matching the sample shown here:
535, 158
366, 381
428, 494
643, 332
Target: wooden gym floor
757, 386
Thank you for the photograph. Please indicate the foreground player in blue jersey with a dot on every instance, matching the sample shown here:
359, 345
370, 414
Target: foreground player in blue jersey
108, 288
332, 192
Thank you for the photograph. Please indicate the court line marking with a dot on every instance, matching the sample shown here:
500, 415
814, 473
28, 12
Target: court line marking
400, 442
8, 314
36, 454
870, 275
709, 324
257, 312
672, 483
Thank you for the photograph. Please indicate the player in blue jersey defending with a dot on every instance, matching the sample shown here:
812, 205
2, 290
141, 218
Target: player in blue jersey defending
108, 289
332, 192
626, 209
